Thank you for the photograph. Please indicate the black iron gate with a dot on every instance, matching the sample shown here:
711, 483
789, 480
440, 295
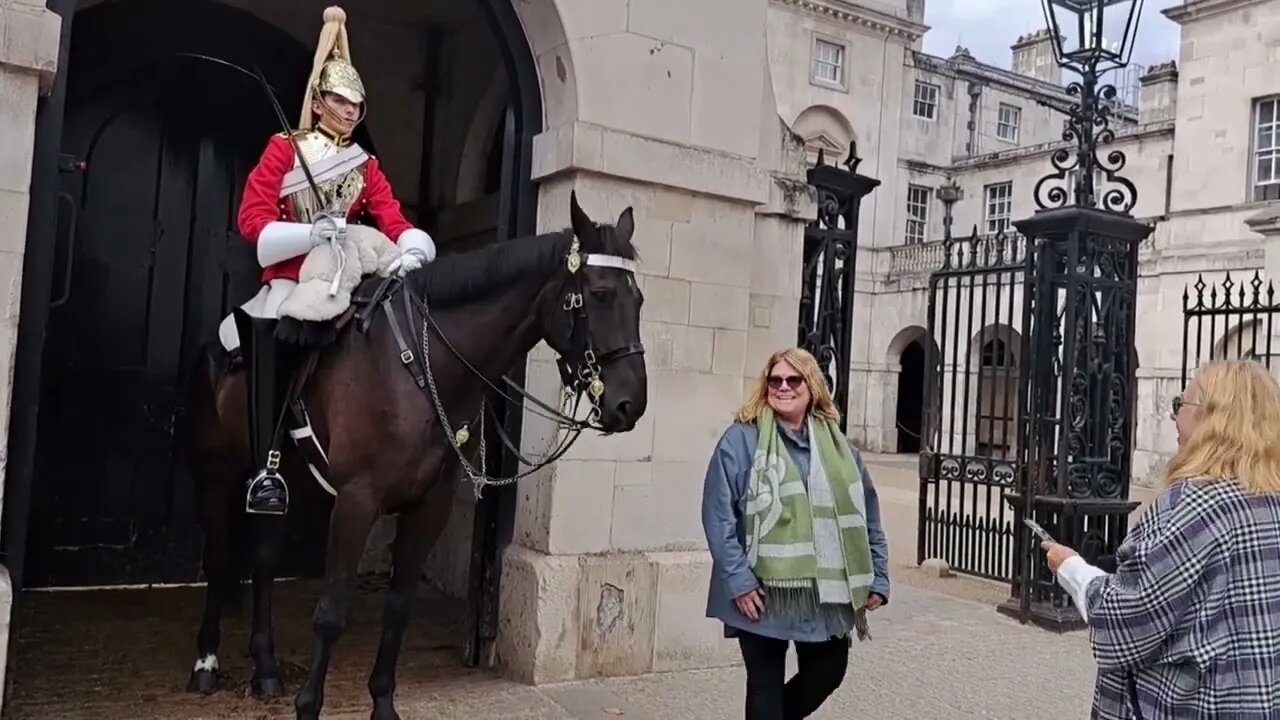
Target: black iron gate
1233, 319
976, 371
830, 263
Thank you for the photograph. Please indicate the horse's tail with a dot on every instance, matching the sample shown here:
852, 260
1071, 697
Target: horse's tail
199, 414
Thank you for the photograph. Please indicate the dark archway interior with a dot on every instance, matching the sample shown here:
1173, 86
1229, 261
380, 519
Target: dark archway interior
155, 146
148, 261
910, 411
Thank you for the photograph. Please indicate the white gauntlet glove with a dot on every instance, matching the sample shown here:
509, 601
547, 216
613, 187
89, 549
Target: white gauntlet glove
325, 229
409, 260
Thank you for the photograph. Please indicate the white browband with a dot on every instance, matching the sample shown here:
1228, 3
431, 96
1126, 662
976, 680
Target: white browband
612, 261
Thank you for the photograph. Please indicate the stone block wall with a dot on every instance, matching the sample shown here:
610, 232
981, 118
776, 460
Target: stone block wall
29, 38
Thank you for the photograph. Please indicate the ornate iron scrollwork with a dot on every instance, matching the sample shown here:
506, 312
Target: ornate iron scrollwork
1088, 126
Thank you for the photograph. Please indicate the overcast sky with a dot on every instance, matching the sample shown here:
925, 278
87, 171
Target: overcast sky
989, 27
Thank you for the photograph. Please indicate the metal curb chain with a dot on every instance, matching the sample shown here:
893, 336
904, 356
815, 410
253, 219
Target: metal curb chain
479, 477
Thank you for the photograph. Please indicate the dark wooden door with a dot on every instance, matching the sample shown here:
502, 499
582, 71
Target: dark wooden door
148, 265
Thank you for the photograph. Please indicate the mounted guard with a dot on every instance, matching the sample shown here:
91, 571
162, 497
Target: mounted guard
304, 195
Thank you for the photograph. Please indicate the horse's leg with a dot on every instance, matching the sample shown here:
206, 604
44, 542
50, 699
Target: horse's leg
354, 512
268, 532
219, 572
417, 530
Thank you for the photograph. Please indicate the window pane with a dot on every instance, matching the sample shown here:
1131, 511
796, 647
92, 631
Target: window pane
1267, 112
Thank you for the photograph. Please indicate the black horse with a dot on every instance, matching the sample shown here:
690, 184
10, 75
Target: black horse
375, 402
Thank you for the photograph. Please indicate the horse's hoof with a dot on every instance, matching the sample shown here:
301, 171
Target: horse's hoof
204, 682
267, 687
386, 712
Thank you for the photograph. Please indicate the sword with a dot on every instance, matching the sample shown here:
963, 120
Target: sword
275, 105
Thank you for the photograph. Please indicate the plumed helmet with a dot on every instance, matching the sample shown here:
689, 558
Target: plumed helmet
332, 71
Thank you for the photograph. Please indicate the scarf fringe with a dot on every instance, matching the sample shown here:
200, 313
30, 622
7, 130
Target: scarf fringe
798, 600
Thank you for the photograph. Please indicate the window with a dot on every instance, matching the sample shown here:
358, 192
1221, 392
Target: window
828, 63
925, 105
1266, 149
999, 206
1007, 120
917, 214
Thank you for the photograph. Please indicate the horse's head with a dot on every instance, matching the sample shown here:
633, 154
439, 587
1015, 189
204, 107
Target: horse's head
599, 345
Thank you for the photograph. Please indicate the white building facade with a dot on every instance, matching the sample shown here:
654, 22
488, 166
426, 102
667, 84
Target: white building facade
1198, 132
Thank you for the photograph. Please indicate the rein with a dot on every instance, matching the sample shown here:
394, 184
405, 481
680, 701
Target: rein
579, 376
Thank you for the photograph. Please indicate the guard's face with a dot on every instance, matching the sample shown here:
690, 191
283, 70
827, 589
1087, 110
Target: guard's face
337, 112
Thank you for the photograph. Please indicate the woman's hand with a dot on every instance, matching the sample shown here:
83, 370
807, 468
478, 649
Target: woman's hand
751, 604
1056, 554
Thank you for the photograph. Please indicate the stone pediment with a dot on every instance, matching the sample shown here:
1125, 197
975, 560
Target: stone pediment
849, 12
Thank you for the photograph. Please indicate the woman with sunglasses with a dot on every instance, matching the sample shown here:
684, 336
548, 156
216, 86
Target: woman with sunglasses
1188, 626
793, 524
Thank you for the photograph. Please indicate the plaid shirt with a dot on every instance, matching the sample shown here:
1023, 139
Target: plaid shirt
1189, 625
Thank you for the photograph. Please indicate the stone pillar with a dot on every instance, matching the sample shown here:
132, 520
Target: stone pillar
29, 37
607, 570
1158, 99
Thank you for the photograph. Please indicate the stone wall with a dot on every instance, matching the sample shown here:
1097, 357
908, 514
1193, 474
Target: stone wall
608, 569
29, 39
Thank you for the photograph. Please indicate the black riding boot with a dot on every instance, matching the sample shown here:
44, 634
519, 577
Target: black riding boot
267, 377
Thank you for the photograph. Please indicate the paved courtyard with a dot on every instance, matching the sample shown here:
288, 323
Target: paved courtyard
932, 656
940, 650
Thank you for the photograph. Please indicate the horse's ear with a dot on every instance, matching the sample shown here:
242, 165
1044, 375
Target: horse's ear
583, 227
626, 225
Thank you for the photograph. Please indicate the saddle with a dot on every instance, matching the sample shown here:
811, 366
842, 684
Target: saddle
373, 293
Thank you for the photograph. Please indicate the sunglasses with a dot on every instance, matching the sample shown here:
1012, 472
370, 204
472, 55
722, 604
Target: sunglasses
792, 381
1177, 405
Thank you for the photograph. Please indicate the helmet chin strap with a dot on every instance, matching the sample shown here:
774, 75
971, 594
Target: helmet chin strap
331, 121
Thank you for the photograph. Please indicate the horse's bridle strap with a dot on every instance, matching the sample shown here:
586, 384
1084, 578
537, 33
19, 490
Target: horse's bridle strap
612, 261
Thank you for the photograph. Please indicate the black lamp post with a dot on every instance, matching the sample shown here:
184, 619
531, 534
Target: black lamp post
1090, 38
1074, 460
948, 194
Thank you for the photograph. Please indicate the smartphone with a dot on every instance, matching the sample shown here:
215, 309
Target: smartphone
1039, 531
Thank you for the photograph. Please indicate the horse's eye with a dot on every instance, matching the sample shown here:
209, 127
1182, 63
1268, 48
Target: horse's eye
602, 293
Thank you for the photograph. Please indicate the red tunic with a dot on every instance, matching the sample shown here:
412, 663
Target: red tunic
262, 204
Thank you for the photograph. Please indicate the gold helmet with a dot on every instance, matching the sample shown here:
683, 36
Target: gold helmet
332, 70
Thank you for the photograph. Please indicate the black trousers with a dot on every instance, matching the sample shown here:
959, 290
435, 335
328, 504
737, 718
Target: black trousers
822, 667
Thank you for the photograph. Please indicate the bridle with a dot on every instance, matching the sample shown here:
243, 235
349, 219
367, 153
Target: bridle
580, 370
584, 376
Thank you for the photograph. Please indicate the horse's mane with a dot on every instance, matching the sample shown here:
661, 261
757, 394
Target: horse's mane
456, 278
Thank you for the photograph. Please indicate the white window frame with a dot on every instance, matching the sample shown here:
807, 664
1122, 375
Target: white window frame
1264, 188
998, 206
1008, 122
841, 64
919, 198
925, 100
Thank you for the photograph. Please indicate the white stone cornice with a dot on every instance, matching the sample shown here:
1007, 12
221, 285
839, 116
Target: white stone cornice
1199, 9
858, 15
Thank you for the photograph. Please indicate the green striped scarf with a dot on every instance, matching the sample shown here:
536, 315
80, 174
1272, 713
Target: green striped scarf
808, 548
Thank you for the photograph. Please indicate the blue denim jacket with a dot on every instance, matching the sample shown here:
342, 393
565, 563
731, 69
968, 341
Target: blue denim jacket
724, 504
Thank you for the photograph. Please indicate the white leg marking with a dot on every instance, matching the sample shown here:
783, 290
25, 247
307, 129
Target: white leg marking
208, 662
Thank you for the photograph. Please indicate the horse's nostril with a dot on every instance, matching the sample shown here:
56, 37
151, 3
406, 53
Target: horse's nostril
624, 408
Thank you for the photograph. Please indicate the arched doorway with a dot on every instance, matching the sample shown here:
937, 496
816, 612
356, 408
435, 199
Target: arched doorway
910, 411
147, 261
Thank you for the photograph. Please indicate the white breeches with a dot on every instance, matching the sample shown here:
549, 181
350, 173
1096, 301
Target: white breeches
265, 304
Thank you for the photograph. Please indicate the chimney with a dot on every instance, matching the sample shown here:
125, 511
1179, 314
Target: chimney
1033, 57
1158, 99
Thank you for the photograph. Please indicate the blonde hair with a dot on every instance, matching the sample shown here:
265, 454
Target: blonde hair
1238, 433
820, 403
